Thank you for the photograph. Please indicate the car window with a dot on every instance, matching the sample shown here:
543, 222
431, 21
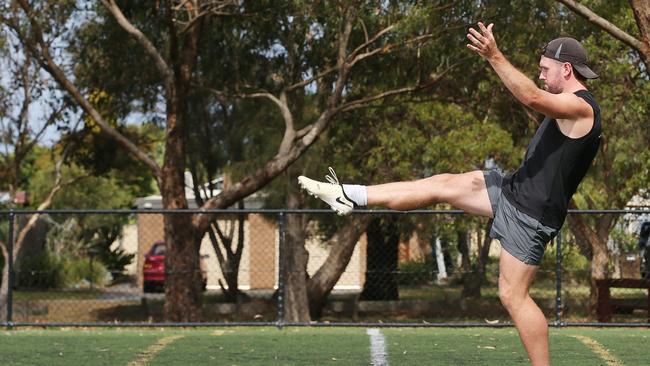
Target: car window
158, 249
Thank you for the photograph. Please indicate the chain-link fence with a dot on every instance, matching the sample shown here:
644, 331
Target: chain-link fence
252, 267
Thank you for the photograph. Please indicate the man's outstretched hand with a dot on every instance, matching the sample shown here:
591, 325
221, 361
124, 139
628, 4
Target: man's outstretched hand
483, 42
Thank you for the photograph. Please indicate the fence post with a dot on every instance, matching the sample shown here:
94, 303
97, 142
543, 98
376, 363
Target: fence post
281, 279
10, 267
558, 279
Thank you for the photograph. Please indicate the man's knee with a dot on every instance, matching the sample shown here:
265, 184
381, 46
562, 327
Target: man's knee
511, 296
440, 179
504, 292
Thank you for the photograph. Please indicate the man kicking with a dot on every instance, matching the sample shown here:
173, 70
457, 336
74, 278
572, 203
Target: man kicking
528, 205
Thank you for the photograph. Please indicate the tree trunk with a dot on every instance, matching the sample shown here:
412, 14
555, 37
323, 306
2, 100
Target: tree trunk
296, 304
231, 271
234, 260
473, 280
440, 260
341, 249
641, 9
463, 249
229, 258
598, 269
4, 286
593, 246
183, 282
183, 274
381, 257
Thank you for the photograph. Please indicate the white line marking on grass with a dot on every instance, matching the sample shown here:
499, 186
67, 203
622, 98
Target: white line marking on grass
598, 348
377, 347
147, 355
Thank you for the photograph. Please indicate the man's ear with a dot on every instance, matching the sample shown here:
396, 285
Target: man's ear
567, 70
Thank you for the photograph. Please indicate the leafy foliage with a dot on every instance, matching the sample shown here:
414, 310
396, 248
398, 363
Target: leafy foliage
64, 261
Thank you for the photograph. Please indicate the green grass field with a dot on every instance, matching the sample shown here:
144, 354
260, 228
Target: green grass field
314, 346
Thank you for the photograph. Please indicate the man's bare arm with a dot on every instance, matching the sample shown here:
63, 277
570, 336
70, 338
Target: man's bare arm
559, 106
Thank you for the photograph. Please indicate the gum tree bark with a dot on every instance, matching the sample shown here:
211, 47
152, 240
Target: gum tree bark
593, 244
342, 246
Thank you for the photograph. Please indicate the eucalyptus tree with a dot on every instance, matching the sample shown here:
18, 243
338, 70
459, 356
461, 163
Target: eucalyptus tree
26, 117
160, 58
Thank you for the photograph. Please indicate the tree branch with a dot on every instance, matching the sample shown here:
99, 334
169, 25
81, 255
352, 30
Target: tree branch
371, 40
56, 187
341, 59
47, 62
146, 44
360, 103
355, 56
341, 246
287, 116
204, 10
27, 98
610, 28
303, 139
217, 250
641, 10
50, 121
318, 76
281, 103
391, 47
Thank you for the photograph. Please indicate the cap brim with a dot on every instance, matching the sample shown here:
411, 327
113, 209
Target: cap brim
585, 71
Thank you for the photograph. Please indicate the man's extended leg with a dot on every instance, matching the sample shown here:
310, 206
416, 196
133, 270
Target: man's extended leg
466, 191
515, 278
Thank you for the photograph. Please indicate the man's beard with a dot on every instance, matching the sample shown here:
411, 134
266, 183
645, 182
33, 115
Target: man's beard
552, 90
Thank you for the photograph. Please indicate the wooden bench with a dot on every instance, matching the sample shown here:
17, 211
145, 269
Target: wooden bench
607, 306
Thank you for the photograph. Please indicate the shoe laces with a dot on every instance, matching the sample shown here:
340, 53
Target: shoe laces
333, 178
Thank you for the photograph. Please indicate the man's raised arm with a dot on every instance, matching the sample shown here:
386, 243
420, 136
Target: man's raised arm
564, 105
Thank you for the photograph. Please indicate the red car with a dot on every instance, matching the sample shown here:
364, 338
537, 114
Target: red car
154, 269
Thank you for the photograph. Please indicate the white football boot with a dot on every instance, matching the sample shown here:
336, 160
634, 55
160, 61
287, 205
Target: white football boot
332, 193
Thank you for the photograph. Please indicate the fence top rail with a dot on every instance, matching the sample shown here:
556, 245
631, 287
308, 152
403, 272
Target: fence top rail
282, 211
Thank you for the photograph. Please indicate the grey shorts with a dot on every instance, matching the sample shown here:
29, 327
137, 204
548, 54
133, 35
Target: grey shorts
520, 235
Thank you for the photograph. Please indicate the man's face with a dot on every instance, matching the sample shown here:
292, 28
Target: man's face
551, 73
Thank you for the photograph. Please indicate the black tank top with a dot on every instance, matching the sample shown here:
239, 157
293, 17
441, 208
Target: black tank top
552, 169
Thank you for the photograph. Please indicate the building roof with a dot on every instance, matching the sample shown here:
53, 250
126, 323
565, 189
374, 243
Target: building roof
253, 201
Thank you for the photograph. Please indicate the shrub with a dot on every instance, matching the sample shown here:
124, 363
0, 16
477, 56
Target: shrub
79, 272
414, 273
49, 271
575, 266
42, 271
